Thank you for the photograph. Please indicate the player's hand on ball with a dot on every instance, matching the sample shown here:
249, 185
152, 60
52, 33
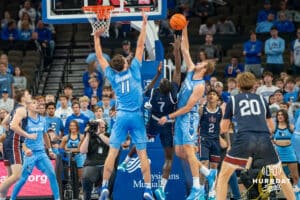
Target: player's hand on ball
162, 120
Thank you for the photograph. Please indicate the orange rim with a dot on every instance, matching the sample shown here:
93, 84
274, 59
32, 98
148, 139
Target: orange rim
102, 12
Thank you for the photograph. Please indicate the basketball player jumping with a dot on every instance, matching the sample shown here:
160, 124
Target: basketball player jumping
126, 82
187, 117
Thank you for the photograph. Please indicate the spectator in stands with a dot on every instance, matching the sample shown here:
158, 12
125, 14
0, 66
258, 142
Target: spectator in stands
232, 87
6, 80
278, 94
295, 54
283, 24
91, 72
10, 32
283, 8
45, 40
93, 165
204, 9
42, 110
25, 33
266, 25
20, 81
64, 111
84, 103
106, 105
40, 99
213, 80
4, 59
280, 84
234, 68
94, 90
49, 98
185, 8
98, 111
210, 49
290, 94
77, 116
274, 48
54, 126
126, 50
252, 52
25, 17
68, 92
164, 28
7, 18
27, 8
94, 101
225, 26
219, 87
6, 102
208, 28
268, 88
263, 14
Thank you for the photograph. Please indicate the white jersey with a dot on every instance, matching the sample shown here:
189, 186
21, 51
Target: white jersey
63, 114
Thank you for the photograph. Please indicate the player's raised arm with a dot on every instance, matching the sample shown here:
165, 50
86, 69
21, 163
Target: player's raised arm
185, 49
102, 61
157, 75
141, 40
176, 52
193, 100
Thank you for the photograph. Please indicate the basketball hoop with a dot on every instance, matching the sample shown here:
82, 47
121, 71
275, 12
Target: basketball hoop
99, 17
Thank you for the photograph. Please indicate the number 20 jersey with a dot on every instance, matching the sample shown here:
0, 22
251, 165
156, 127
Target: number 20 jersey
250, 111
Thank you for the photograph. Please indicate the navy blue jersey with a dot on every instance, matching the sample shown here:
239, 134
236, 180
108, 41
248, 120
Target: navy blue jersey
210, 123
162, 105
250, 111
11, 134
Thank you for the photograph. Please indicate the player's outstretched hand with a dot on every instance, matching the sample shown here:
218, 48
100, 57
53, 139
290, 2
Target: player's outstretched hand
145, 18
162, 120
99, 32
32, 136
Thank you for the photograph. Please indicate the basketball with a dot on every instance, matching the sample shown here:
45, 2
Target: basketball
178, 22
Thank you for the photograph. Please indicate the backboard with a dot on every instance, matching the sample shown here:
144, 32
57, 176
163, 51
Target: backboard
70, 11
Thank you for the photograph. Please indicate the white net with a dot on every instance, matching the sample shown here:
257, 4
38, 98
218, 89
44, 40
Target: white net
99, 19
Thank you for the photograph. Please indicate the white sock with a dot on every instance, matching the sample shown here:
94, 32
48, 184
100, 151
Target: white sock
104, 183
196, 182
163, 183
127, 159
204, 170
148, 185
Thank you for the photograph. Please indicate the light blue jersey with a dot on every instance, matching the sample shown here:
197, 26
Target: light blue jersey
187, 89
36, 126
127, 85
186, 125
129, 101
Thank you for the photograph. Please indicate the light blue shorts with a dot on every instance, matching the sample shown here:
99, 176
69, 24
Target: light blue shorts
186, 129
79, 159
129, 123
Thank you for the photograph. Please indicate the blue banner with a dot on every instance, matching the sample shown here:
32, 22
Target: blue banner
130, 184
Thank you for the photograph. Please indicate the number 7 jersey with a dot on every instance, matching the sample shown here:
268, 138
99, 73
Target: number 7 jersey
250, 112
127, 86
